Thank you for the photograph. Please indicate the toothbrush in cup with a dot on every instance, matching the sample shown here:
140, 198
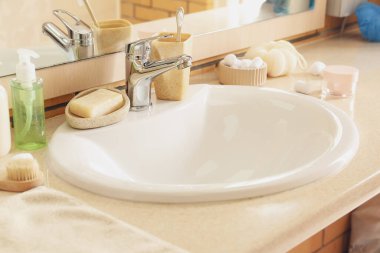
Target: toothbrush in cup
179, 19
90, 11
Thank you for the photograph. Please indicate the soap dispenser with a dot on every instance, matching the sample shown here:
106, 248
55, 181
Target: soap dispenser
28, 104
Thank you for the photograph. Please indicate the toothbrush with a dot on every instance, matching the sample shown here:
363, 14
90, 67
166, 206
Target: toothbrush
22, 173
179, 19
85, 2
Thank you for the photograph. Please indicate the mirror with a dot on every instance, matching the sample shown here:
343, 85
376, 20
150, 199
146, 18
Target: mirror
21, 23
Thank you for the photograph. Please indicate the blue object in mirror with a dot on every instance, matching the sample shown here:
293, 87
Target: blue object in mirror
368, 15
291, 6
312, 4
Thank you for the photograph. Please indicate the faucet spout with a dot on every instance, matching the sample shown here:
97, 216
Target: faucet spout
57, 35
140, 72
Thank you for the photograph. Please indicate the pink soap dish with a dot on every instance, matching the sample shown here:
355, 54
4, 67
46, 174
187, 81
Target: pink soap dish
233, 76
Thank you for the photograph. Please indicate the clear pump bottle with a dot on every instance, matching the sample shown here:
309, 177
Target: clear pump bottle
28, 104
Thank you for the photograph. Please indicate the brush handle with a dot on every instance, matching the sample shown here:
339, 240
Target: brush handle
21, 186
91, 12
179, 19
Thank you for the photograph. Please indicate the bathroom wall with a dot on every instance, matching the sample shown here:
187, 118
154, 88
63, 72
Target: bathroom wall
138, 11
21, 20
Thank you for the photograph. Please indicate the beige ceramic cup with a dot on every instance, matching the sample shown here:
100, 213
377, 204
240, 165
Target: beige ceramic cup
173, 84
112, 35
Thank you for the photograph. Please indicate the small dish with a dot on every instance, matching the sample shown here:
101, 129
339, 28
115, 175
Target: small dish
87, 123
253, 77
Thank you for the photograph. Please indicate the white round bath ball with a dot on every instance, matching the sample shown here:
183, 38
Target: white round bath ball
237, 65
317, 68
257, 63
246, 64
230, 60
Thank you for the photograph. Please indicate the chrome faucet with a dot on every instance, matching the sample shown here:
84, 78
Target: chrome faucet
80, 39
140, 71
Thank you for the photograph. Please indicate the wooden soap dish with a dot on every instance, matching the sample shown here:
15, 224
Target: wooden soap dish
87, 123
253, 77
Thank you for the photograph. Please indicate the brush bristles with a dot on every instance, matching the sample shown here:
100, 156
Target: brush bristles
22, 167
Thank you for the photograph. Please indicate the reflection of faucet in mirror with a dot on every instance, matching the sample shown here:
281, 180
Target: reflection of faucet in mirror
140, 71
79, 40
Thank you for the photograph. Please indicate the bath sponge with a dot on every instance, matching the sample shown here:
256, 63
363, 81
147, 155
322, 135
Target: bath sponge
368, 15
282, 57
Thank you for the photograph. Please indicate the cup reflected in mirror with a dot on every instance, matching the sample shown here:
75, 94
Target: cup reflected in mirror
112, 35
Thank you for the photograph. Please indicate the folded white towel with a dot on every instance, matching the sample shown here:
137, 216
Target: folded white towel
44, 220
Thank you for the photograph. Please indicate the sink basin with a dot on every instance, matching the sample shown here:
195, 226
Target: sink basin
220, 143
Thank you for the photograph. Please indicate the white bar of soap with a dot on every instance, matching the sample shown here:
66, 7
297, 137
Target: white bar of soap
98, 103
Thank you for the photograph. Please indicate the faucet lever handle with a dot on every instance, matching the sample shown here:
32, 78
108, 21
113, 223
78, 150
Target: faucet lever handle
78, 30
140, 50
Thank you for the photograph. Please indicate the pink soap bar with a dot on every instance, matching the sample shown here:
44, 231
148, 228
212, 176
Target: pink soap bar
341, 80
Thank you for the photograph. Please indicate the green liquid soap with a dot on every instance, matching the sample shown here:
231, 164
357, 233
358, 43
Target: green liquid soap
28, 115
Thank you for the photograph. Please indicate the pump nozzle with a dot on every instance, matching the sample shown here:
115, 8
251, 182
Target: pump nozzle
25, 69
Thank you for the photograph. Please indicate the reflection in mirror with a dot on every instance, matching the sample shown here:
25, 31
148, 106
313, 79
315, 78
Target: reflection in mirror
143, 11
79, 40
21, 24
21, 27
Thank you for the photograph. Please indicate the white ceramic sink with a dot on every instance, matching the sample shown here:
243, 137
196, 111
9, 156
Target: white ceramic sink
220, 143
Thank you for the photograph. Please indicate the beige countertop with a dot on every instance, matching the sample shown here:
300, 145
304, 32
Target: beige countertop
278, 222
